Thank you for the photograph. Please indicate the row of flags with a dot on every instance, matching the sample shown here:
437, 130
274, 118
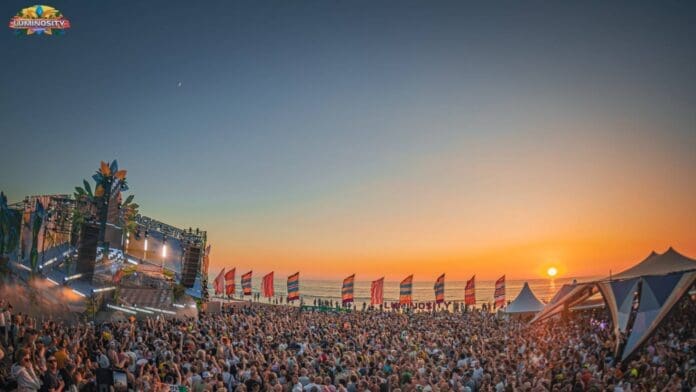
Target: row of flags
224, 282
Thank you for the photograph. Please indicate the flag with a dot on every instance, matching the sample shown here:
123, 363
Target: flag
499, 294
440, 289
246, 283
405, 289
219, 282
229, 282
470, 292
267, 285
347, 289
377, 292
294, 287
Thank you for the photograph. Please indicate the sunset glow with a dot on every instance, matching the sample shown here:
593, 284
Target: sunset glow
552, 272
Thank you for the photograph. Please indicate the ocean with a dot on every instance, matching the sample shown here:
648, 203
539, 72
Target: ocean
422, 291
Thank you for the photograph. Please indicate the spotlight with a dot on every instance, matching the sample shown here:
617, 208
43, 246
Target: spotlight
124, 310
102, 289
72, 277
79, 293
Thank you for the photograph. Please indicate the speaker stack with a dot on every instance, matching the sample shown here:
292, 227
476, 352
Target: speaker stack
87, 250
192, 264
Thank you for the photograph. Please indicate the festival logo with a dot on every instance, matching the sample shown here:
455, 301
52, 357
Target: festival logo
39, 19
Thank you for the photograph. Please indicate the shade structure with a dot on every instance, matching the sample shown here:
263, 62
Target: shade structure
658, 264
619, 295
526, 302
661, 279
658, 295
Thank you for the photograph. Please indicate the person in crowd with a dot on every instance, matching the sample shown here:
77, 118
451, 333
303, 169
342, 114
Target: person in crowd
25, 373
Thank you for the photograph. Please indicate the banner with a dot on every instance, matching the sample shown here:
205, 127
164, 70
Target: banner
219, 282
377, 292
229, 282
294, 287
470, 292
405, 289
347, 289
499, 294
246, 283
440, 289
267, 286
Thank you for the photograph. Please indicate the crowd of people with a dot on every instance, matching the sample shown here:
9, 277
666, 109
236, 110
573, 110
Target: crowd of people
256, 347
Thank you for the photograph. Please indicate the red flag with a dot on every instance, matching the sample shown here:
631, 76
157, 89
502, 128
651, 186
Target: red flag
229, 282
267, 286
470, 292
219, 282
377, 292
499, 295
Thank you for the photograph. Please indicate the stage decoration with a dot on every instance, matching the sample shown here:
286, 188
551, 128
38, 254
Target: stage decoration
109, 183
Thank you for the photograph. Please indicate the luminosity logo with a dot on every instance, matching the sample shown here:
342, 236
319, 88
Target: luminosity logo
39, 19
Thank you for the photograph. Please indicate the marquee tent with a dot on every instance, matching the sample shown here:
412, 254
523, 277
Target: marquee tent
525, 303
657, 283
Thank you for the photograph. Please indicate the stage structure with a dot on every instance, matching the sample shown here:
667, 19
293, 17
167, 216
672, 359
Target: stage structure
96, 247
180, 251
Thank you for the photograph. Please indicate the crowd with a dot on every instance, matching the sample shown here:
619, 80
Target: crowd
282, 349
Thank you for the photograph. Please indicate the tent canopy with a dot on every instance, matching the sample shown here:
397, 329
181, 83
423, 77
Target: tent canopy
526, 302
659, 264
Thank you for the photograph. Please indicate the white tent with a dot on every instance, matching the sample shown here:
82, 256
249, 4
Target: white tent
526, 302
659, 264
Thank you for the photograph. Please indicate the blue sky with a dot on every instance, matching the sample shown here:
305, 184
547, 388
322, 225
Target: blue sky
341, 132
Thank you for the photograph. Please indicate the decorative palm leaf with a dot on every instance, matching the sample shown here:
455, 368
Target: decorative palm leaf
105, 169
120, 175
88, 189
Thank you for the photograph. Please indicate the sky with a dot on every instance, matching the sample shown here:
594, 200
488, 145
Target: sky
378, 138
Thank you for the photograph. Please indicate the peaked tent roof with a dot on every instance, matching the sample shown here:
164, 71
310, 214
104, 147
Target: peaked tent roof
659, 264
526, 302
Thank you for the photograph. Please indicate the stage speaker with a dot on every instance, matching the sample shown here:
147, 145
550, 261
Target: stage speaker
192, 263
114, 236
87, 251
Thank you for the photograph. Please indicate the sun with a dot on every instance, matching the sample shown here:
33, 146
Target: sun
551, 272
